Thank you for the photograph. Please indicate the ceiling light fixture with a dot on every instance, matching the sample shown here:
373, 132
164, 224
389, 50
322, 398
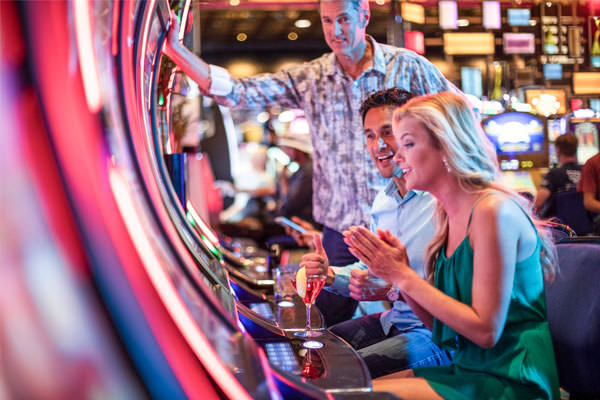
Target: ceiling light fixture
292, 36
462, 22
302, 23
234, 2
241, 37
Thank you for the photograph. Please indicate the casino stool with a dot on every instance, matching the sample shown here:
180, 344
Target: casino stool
570, 211
573, 307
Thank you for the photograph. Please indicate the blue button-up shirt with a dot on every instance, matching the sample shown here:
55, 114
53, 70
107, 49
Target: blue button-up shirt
345, 178
410, 219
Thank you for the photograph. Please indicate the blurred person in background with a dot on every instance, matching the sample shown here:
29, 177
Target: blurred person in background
290, 195
589, 185
563, 178
254, 189
294, 189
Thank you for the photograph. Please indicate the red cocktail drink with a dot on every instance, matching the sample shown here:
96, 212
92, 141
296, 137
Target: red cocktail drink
308, 288
313, 288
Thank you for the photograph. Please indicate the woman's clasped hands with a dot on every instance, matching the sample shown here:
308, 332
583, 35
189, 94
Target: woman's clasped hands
383, 253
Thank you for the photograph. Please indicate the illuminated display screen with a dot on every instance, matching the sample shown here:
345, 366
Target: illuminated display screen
547, 102
556, 127
595, 105
413, 13
518, 16
519, 181
553, 71
464, 43
281, 355
492, 18
515, 133
471, 81
263, 309
587, 136
518, 43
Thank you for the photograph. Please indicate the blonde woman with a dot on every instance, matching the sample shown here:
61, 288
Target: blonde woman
483, 296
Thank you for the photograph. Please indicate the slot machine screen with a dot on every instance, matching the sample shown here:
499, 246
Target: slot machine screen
587, 136
518, 16
520, 181
555, 128
553, 71
263, 309
518, 43
547, 102
595, 105
282, 355
471, 81
520, 140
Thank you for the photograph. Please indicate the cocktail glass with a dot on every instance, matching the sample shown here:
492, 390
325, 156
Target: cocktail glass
308, 288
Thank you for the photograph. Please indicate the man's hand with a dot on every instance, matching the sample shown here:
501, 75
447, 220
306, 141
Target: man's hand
317, 263
306, 238
172, 41
192, 65
365, 287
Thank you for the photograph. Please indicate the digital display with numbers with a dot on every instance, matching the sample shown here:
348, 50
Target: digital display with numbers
282, 356
263, 309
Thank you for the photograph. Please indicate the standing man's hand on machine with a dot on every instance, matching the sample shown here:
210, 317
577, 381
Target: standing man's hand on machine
172, 43
210, 79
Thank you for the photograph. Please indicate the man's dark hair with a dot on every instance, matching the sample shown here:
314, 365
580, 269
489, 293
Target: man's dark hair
387, 97
567, 144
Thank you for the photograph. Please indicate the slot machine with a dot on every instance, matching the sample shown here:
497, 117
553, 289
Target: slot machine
244, 284
164, 293
521, 144
588, 136
555, 126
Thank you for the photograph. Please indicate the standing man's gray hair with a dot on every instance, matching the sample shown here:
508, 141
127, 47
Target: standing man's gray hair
359, 4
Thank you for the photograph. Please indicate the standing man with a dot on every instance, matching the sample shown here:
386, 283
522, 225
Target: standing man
330, 90
590, 186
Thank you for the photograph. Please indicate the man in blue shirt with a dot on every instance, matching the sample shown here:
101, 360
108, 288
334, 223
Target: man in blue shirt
395, 339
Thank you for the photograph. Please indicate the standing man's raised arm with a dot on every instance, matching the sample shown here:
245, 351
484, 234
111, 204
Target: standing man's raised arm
211, 79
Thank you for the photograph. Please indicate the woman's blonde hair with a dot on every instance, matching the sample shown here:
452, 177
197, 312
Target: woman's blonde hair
469, 156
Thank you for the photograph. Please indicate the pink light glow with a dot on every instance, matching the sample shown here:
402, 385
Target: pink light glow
168, 293
415, 41
491, 15
448, 14
144, 36
87, 59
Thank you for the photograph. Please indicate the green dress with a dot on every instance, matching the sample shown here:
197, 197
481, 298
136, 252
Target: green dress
521, 365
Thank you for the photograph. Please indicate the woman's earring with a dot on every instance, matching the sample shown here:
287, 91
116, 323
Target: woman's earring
445, 162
